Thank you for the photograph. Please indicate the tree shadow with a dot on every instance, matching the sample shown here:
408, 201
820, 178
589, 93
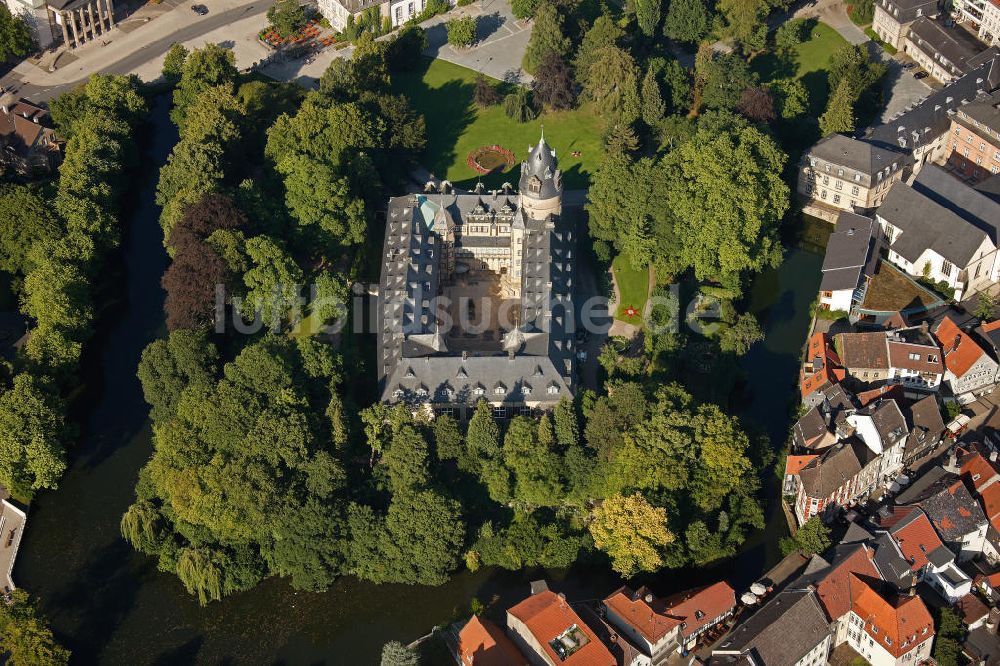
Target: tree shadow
488, 24
182, 654
819, 91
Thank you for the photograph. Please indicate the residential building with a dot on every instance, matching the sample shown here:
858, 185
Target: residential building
820, 371
12, 521
849, 263
916, 547
339, 12
892, 18
28, 145
513, 257
926, 426
921, 130
973, 612
482, 643
794, 465
981, 16
889, 631
906, 356
838, 478
975, 139
789, 630
946, 54
844, 174
661, 627
969, 370
927, 239
954, 513
549, 633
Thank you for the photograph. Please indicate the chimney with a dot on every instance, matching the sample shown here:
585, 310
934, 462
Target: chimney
993, 456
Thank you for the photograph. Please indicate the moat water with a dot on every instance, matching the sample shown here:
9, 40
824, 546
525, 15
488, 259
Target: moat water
110, 605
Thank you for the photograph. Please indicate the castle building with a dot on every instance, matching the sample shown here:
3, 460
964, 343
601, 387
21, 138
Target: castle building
475, 297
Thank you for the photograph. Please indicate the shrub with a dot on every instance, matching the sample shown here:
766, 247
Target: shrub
523, 9
519, 106
486, 93
462, 31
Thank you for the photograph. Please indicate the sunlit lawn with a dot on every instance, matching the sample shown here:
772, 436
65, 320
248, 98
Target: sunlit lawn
809, 63
633, 287
443, 92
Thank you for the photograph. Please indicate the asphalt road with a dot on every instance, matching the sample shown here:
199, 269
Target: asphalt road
150, 51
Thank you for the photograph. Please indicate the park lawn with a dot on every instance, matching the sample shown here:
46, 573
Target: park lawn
810, 62
442, 92
633, 289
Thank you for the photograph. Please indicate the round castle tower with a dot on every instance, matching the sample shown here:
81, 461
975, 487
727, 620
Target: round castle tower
541, 182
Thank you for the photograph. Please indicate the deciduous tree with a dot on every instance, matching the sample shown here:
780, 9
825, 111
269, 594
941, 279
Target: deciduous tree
546, 37
632, 532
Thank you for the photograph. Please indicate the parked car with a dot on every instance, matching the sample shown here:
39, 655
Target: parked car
200, 10
582, 355
909, 65
920, 75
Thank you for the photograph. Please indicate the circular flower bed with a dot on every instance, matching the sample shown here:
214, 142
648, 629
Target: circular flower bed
487, 158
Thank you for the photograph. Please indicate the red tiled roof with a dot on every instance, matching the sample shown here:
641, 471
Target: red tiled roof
916, 539
960, 351
990, 499
546, 616
978, 470
698, 607
482, 643
648, 618
835, 590
991, 326
890, 392
821, 367
795, 463
899, 626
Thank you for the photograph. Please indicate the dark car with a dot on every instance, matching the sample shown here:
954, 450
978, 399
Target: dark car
920, 75
200, 10
909, 65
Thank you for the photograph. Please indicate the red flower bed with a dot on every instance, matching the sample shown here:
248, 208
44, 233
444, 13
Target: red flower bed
487, 158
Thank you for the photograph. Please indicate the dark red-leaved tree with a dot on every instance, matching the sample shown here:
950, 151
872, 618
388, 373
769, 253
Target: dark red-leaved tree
210, 213
190, 283
757, 105
553, 86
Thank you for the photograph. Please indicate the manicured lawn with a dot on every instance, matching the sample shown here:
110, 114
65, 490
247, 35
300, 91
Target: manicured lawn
443, 91
809, 63
633, 286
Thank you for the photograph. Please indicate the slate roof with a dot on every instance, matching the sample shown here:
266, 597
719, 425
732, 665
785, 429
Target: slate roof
925, 224
861, 160
541, 168
946, 501
823, 476
415, 364
889, 422
930, 118
783, 631
904, 11
944, 45
926, 426
966, 202
812, 432
850, 252
24, 128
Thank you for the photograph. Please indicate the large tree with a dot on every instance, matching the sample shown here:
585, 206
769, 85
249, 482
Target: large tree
647, 14
726, 199
168, 366
721, 78
612, 84
553, 86
839, 114
546, 37
632, 532
605, 32
25, 219
32, 436
745, 22
15, 35
25, 639
687, 21
204, 68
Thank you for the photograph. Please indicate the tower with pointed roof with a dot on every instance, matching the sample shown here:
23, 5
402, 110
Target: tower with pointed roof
541, 182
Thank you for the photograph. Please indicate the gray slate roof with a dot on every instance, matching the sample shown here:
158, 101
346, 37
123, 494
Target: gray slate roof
783, 631
926, 224
861, 160
930, 118
904, 11
947, 46
849, 252
541, 168
926, 427
966, 202
415, 363
839, 464
947, 502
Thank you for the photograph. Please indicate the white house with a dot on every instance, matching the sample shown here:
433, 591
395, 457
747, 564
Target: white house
850, 261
